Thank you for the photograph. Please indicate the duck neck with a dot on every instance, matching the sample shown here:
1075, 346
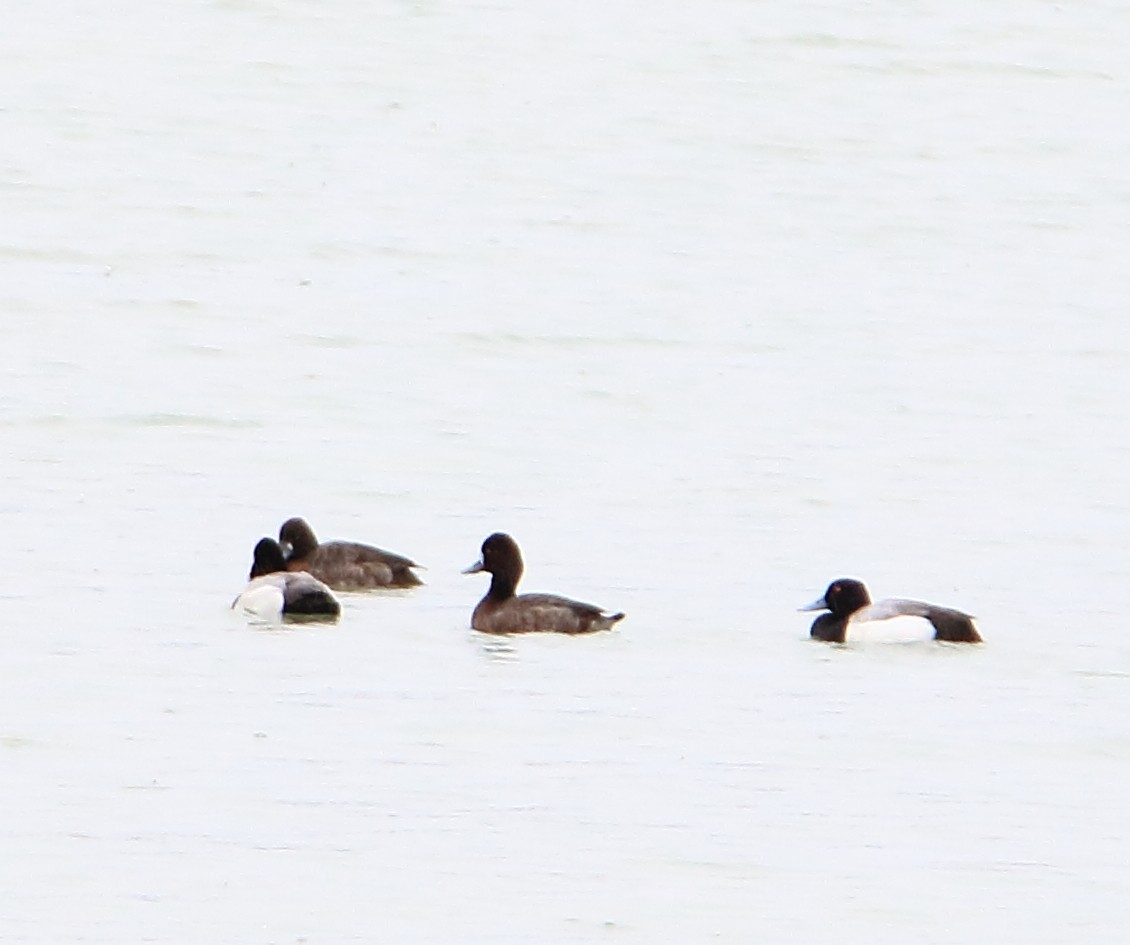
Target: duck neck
502, 586
829, 628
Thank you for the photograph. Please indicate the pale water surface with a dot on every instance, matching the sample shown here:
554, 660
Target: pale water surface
707, 304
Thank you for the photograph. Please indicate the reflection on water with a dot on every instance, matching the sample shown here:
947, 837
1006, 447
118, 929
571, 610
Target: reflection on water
499, 649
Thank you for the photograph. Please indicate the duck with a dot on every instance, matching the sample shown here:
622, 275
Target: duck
502, 611
848, 601
273, 592
344, 565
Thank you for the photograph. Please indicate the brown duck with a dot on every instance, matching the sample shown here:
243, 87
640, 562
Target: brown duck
344, 565
503, 611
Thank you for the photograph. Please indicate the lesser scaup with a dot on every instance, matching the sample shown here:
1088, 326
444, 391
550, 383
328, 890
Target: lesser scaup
344, 565
501, 611
849, 602
273, 591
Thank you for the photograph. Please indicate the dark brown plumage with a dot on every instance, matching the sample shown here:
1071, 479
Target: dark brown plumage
503, 611
344, 565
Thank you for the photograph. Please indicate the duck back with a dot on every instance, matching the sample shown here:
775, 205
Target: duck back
544, 613
350, 565
289, 594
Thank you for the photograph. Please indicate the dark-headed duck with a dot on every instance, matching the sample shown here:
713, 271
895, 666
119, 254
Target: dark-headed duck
274, 592
344, 565
849, 602
502, 611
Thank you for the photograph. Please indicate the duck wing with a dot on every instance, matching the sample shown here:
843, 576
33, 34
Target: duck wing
545, 613
952, 626
352, 565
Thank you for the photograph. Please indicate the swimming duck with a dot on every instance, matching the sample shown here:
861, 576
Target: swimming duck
344, 565
273, 591
502, 611
849, 602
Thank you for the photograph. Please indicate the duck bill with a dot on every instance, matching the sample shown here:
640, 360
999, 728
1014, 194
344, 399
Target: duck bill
475, 568
818, 604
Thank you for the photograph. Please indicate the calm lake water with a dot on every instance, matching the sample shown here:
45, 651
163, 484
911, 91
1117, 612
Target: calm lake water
707, 304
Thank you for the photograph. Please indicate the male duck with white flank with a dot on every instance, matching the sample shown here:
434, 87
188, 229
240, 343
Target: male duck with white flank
849, 602
275, 592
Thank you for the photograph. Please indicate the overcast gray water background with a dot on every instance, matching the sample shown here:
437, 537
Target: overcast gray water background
707, 304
